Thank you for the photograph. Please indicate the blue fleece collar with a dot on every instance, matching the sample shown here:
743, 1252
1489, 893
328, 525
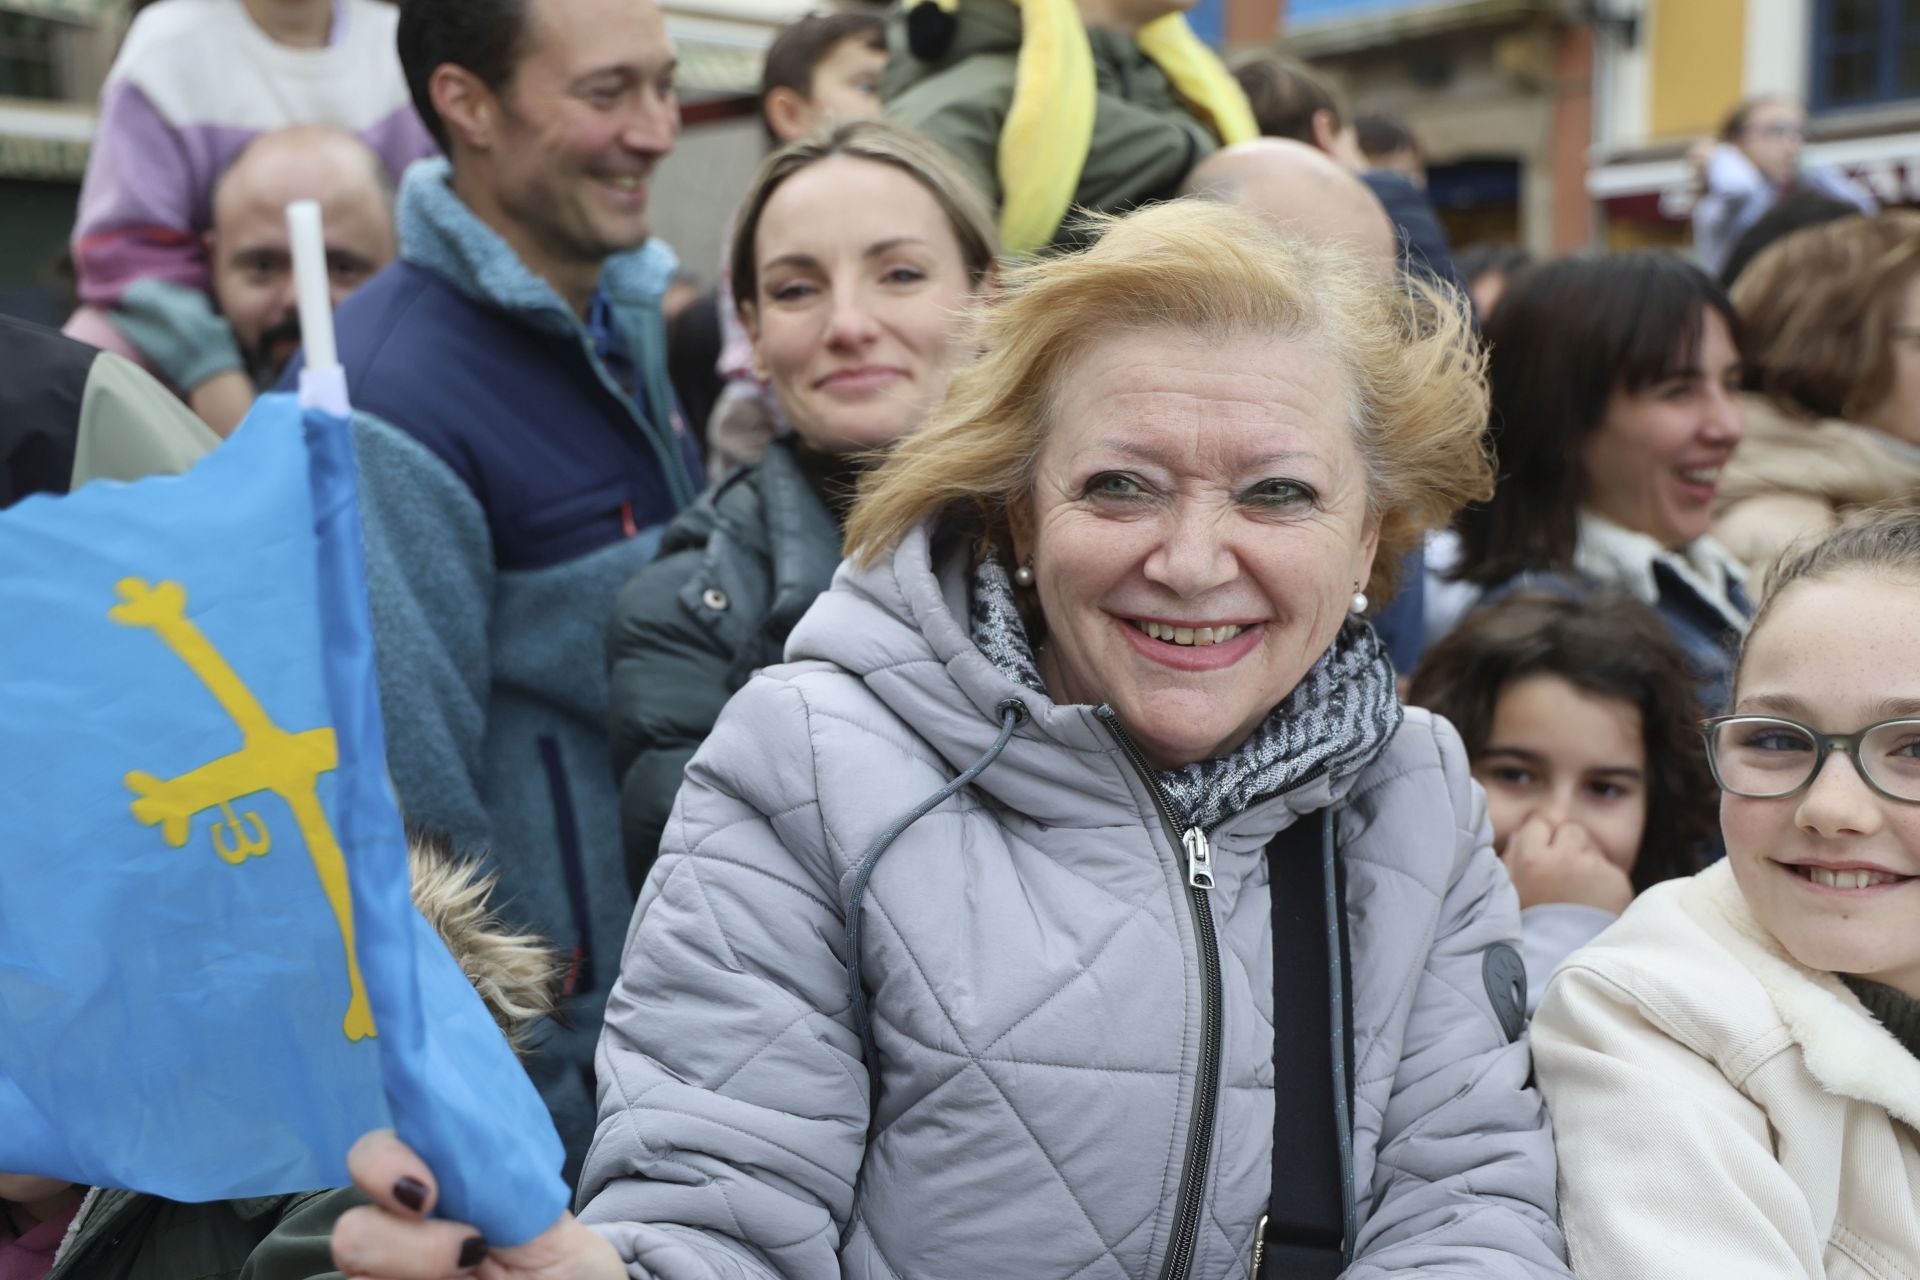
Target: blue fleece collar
441, 234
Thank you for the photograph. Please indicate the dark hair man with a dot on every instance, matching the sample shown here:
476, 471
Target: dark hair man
1290, 101
520, 451
1387, 143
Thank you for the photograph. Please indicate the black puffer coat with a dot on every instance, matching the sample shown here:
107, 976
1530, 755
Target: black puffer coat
735, 571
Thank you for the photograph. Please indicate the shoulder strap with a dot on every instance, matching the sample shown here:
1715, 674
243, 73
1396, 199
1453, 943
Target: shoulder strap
1308, 1228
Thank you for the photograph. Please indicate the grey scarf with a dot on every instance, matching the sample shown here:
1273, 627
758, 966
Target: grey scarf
1336, 721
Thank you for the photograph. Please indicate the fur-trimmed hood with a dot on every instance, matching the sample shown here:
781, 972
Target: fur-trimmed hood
1793, 480
1845, 1046
516, 974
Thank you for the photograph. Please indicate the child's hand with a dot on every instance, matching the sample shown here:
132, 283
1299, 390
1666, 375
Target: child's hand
1563, 865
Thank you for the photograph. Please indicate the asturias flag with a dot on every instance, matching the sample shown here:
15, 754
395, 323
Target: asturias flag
212, 976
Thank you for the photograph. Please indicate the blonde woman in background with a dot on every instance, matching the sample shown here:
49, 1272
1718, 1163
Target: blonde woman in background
1832, 322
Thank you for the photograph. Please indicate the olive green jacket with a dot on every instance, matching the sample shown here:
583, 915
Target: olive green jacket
123, 1235
1145, 141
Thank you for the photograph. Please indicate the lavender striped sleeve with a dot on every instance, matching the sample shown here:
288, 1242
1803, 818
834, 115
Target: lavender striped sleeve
148, 194
401, 139
143, 201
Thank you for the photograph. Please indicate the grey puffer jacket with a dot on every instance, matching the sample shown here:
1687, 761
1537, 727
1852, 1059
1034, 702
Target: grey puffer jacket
1033, 970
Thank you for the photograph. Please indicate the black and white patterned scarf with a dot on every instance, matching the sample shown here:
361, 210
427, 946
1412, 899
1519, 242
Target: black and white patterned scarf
1336, 722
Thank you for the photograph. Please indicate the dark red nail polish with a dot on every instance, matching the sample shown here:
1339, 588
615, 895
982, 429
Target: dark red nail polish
473, 1252
411, 1192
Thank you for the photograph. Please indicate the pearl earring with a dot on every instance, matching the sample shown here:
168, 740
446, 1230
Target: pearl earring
1023, 576
1359, 602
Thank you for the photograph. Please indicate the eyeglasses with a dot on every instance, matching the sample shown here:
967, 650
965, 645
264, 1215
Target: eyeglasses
1766, 757
1779, 132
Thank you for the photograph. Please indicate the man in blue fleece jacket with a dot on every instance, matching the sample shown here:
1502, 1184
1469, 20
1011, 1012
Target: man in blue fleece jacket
520, 451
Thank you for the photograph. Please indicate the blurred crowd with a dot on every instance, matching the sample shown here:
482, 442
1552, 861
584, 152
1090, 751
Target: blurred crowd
1106, 444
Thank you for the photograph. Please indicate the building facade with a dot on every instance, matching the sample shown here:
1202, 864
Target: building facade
1668, 72
1499, 93
54, 55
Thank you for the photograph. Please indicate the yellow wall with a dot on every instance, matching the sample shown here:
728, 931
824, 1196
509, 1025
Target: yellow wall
1696, 51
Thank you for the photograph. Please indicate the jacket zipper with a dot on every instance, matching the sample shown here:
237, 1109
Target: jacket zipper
1199, 859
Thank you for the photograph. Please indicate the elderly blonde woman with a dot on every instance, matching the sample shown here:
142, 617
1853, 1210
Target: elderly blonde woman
1102, 621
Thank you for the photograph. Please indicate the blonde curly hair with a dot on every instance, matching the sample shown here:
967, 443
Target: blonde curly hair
1415, 374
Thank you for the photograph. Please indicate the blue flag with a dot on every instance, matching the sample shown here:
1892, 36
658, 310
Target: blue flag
212, 976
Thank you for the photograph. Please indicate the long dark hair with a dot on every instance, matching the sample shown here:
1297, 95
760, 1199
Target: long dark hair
1608, 646
1566, 336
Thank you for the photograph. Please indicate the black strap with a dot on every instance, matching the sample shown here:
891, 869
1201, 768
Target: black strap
1307, 1225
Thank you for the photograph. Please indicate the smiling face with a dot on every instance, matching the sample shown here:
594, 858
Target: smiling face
1836, 654
571, 142
862, 283
1566, 755
1653, 463
1197, 527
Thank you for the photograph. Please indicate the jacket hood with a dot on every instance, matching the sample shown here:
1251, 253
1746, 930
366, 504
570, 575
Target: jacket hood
988, 27
899, 626
440, 233
1841, 463
517, 975
979, 26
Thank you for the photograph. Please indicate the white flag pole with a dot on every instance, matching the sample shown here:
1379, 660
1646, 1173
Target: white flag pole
323, 383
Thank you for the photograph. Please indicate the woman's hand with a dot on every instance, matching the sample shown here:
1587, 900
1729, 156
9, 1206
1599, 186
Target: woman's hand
393, 1239
1563, 864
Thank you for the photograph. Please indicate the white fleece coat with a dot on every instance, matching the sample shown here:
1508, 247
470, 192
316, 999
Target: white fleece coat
1722, 1112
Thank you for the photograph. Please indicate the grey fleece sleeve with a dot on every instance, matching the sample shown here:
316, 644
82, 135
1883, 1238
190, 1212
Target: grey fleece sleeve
1464, 1180
733, 1090
430, 580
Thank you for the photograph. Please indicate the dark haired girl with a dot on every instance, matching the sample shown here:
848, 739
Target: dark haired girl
1578, 718
1614, 384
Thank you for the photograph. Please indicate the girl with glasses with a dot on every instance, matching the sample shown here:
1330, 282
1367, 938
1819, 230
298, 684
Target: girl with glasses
1734, 1069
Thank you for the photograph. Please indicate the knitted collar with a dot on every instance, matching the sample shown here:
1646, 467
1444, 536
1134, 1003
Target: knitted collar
1897, 1011
1335, 722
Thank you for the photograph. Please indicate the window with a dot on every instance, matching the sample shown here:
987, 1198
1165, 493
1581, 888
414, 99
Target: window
1865, 52
28, 57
